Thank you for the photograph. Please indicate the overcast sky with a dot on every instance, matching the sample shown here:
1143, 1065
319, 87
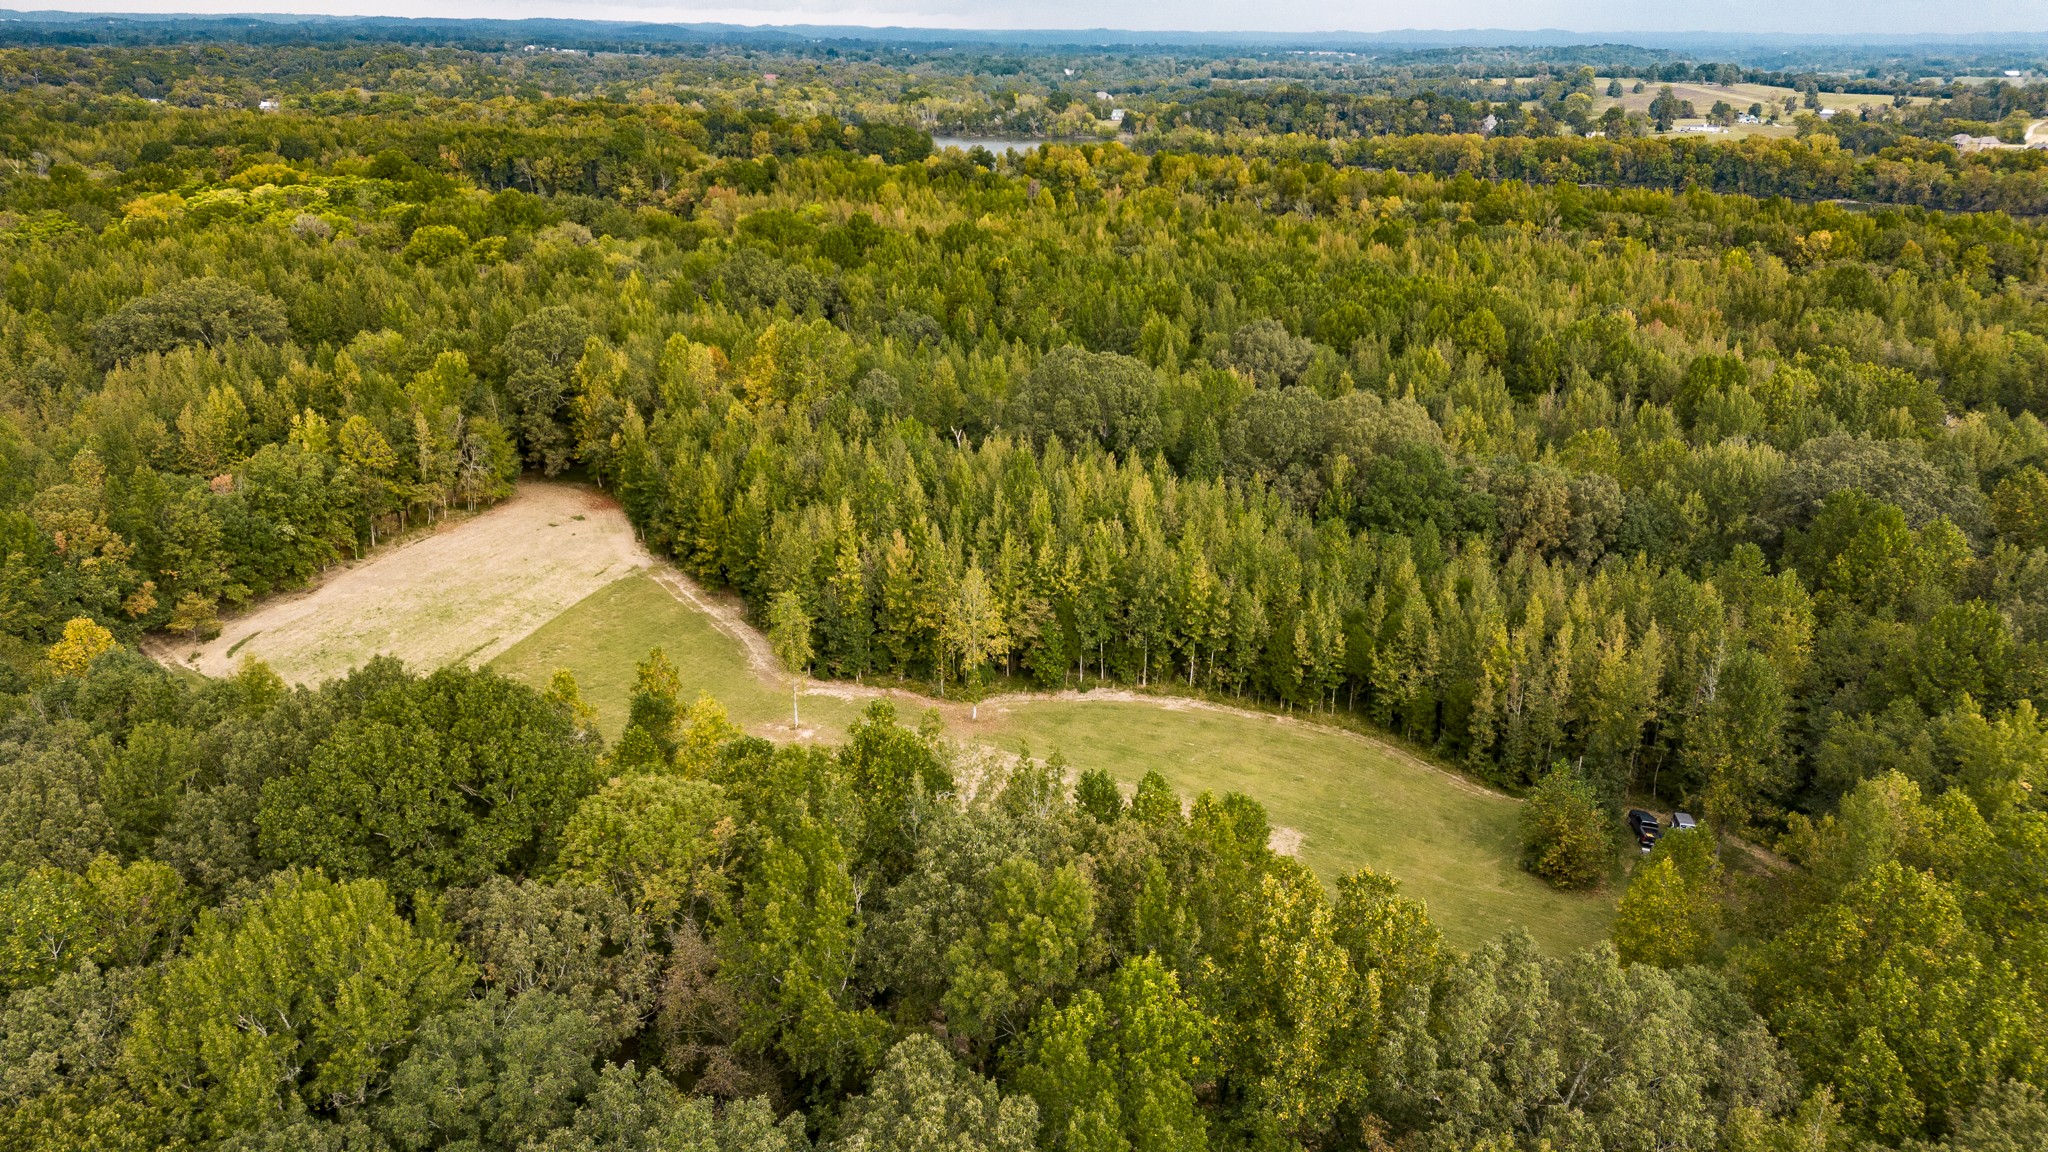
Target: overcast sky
1798, 16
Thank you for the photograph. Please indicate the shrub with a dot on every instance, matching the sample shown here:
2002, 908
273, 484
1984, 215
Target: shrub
1565, 838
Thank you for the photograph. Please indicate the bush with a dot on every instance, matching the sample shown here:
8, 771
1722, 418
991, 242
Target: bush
1565, 838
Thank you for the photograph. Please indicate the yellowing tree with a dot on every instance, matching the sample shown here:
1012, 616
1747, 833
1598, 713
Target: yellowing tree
1664, 919
84, 642
789, 633
975, 632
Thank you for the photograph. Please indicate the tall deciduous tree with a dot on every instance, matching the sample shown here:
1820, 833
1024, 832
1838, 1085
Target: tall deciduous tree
789, 634
302, 1004
922, 1101
975, 632
1118, 1070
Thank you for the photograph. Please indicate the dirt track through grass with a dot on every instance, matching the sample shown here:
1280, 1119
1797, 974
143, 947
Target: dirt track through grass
1339, 800
463, 593
554, 579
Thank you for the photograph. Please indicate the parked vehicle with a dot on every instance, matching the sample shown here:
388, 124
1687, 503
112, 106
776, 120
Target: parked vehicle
1682, 822
1645, 826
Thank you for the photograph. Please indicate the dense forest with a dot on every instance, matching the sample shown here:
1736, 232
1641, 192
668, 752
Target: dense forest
1605, 470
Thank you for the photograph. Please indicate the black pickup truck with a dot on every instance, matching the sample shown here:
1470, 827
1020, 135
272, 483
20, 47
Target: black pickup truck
1645, 826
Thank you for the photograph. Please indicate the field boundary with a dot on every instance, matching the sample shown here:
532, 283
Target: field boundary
728, 618
432, 597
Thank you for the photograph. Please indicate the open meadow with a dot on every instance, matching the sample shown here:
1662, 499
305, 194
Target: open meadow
554, 579
1339, 801
464, 592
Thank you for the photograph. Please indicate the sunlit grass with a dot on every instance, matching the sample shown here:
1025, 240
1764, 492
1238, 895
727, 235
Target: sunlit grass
1354, 802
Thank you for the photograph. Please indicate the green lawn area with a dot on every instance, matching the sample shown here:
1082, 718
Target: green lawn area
1354, 802
605, 635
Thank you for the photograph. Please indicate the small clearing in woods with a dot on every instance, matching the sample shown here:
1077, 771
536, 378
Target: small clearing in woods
1338, 799
463, 593
553, 578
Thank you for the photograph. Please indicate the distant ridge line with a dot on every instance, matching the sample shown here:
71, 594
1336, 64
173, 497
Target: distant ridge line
544, 28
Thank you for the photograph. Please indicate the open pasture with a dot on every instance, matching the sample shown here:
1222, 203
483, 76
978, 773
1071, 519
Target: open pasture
1338, 800
466, 592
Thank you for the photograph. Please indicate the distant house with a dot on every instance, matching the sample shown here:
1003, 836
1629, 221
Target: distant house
267, 105
2014, 73
1705, 129
1487, 125
1827, 113
1116, 115
1965, 142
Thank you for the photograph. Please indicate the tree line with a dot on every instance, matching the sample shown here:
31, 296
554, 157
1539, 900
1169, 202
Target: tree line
408, 912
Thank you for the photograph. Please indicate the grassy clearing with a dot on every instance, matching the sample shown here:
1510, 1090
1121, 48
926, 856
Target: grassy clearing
429, 601
1352, 801
553, 579
601, 638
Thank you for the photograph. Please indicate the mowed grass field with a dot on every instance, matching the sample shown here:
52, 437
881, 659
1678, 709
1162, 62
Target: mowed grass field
1341, 801
554, 579
1704, 95
461, 593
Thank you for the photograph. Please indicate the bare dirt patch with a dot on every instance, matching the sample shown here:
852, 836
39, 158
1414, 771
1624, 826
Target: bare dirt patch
461, 594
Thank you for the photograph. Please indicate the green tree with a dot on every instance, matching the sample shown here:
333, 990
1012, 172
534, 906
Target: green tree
580, 943
1288, 1006
436, 781
921, 1101
1096, 794
1087, 398
1885, 993
1671, 911
789, 634
208, 310
1117, 1071
653, 715
1734, 747
632, 1111
898, 777
492, 1072
302, 1003
540, 355
975, 633
1566, 838
1025, 947
661, 842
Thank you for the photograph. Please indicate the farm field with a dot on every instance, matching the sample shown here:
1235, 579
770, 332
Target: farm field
465, 592
1339, 801
1741, 96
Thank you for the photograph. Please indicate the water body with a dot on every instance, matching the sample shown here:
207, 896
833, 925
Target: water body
999, 147
968, 143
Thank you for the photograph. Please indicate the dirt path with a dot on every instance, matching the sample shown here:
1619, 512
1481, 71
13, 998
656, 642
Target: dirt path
462, 593
726, 614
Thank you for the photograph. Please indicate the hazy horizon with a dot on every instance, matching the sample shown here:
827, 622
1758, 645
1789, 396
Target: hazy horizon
1847, 19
